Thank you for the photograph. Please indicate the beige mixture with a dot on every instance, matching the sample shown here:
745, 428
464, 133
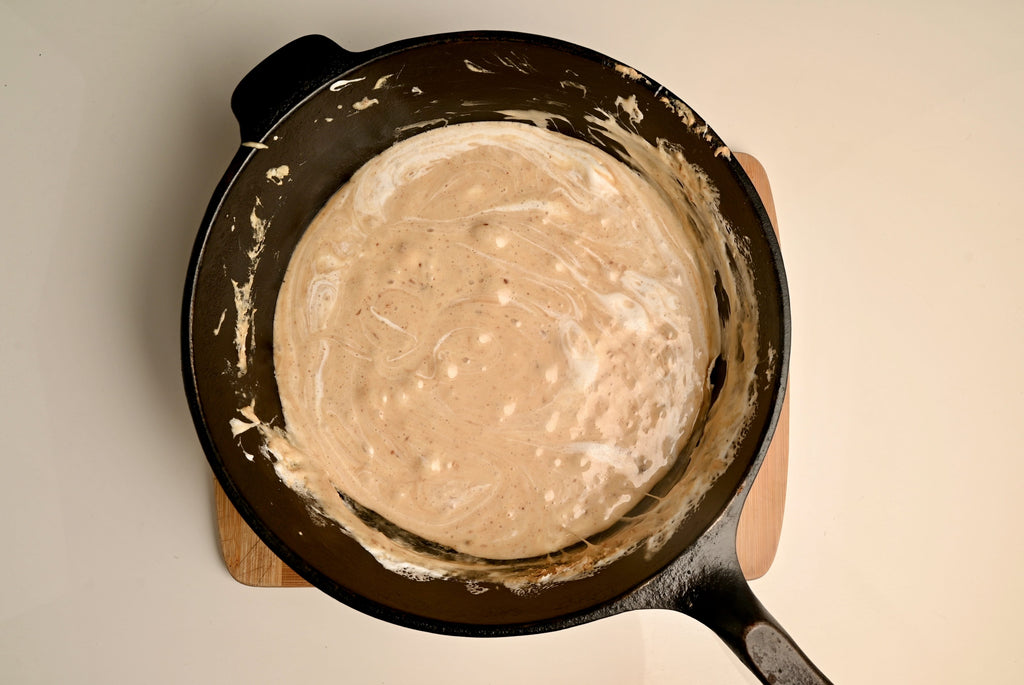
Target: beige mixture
496, 337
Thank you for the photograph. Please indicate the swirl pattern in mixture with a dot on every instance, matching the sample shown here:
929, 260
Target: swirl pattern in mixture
494, 336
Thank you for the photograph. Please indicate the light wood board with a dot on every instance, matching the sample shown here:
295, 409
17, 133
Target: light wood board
251, 562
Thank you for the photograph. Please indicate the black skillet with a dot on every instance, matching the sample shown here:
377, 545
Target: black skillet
295, 109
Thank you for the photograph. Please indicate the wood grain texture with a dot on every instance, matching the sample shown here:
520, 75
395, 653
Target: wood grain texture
251, 562
760, 527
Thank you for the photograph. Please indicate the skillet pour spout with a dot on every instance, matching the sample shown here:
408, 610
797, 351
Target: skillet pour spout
295, 112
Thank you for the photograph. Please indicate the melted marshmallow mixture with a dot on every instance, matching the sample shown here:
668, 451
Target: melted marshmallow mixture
495, 337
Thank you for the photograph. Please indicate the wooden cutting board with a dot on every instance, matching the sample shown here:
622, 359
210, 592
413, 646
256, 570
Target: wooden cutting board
251, 562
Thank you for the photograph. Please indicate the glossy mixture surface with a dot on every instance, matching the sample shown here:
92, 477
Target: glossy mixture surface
495, 337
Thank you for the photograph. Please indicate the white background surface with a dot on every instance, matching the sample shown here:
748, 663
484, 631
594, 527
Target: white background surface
891, 132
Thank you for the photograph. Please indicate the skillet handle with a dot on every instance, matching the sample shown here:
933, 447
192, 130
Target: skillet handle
707, 583
283, 80
722, 600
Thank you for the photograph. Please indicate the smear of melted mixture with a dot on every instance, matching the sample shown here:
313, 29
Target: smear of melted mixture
495, 337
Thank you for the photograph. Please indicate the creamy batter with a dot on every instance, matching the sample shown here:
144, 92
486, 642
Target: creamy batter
495, 337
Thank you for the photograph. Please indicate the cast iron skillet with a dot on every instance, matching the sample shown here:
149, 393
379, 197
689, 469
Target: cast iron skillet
295, 109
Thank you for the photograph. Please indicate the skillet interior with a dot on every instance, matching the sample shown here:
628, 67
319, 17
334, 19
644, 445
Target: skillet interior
459, 78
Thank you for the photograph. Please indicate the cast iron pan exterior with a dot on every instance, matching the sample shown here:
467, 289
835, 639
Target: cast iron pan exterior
288, 105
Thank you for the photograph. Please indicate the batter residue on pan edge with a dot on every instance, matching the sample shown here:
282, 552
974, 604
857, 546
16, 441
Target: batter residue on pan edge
495, 337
